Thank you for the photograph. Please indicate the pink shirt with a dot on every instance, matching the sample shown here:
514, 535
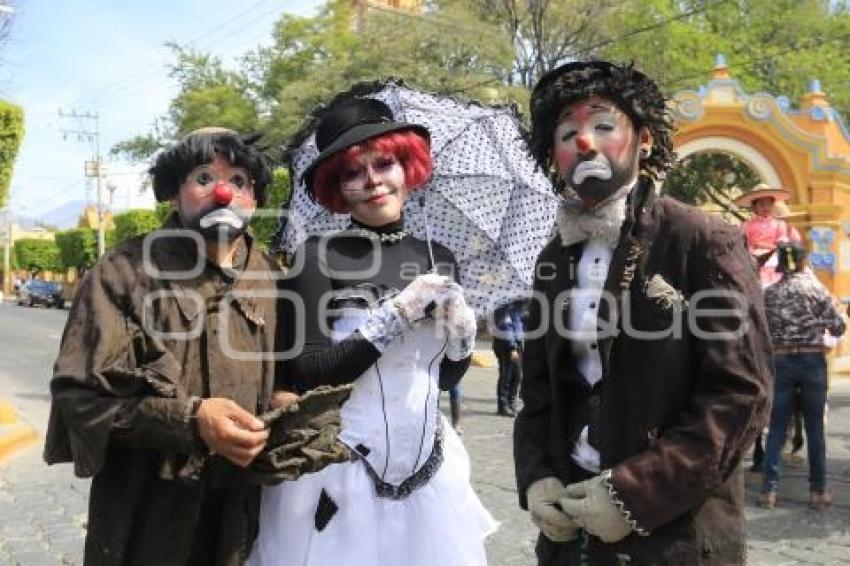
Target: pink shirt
763, 235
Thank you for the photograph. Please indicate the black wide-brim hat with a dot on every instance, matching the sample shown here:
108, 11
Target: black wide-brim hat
350, 122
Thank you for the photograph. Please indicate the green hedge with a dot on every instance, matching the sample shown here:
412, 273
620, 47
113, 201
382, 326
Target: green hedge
78, 247
34, 254
11, 135
135, 223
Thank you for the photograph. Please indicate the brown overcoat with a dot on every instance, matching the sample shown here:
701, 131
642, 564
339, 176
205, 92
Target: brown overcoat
674, 412
153, 325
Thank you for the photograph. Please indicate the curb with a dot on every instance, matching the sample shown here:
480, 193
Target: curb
483, 359
15, 434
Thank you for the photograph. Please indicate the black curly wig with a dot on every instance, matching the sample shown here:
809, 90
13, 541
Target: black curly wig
199, 148
630, 90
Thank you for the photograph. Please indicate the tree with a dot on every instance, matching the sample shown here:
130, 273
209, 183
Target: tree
78, 248
710, 178
35, 255
773, 46
135, 223
11, 136
264, 225
544, 34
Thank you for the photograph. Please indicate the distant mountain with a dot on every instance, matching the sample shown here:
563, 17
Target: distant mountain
62, 217
68, 215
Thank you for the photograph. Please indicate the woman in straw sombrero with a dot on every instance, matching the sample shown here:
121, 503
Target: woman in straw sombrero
765, 231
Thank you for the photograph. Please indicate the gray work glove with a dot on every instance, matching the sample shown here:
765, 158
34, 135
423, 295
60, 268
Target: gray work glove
543, 496
592, 506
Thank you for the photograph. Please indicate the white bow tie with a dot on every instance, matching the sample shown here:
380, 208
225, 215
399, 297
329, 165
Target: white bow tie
577, 223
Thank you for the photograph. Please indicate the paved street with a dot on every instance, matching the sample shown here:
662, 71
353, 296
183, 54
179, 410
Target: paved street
42, 510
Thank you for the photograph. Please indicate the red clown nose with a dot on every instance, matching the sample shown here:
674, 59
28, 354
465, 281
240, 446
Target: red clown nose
583, 144
222, 195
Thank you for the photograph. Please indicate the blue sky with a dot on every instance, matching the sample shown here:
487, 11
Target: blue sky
109, 57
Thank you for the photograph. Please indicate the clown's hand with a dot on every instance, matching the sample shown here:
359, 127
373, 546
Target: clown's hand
591, 505
543, 496
457, 320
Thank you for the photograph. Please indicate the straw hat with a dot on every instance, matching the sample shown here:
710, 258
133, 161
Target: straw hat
762, 191
781, 210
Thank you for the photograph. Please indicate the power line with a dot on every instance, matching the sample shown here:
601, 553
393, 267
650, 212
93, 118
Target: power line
159, 80
210, 35
651, 27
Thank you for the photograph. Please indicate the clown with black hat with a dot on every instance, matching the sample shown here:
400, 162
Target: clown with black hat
636, 410
382, 311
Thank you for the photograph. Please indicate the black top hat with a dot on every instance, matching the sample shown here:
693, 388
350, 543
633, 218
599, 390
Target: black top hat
350, 122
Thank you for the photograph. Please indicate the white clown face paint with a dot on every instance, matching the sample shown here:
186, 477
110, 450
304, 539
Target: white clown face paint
596, 148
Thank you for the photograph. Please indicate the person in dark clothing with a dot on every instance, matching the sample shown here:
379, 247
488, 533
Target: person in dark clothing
799, 310
161, 369
507, 345
638, 403
382, 311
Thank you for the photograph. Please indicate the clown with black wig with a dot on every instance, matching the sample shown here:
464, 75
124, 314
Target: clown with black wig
637, 403
164, 365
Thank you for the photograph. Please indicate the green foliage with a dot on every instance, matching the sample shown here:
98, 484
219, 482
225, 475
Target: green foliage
135, 223
495, 50
221, 105
772, 46
139, 148
264, 223
543, 35
710, 178
163, 211
34, 254
77, 248
11, 136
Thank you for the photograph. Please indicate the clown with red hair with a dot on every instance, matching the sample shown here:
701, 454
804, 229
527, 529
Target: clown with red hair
383, 312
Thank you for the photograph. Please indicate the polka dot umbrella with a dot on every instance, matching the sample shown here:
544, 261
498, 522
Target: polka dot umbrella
486, 201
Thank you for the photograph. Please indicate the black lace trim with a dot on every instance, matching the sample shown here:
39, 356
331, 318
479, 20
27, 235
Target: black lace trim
414, 482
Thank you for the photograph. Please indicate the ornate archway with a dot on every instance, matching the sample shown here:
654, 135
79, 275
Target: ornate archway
805, 150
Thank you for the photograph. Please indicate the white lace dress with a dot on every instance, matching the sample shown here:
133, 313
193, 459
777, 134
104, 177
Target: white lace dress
427, 513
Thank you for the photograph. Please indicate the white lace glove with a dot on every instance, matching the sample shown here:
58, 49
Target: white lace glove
422, 295
542, 496
591, 504
393, 317
457, 319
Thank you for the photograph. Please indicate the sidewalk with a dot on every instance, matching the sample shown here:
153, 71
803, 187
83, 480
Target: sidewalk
792, 533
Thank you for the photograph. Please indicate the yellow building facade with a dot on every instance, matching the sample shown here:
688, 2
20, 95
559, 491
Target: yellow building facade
805, 150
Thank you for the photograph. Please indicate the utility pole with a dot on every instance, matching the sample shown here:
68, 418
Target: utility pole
94, 168
7, 256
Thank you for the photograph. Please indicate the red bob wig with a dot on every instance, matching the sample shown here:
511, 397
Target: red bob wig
412, 151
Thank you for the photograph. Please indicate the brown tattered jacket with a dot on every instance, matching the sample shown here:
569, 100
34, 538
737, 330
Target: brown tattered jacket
675, 411
154, 324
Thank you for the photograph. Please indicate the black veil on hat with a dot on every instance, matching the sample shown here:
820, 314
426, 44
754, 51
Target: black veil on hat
349, 122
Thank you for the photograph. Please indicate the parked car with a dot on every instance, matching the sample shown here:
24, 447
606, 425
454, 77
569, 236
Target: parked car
37, 292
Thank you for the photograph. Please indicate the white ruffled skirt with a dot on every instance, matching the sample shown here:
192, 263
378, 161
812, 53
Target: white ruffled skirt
442, 523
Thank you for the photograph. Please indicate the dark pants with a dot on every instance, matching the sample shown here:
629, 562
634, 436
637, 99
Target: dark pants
808, 371
510, 372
